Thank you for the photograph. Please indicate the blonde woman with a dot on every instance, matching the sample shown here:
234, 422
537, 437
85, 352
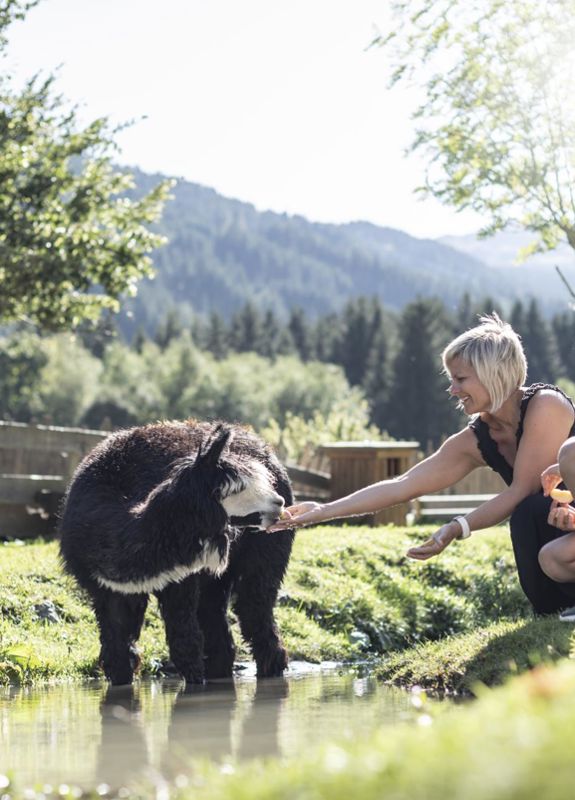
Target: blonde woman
516, 430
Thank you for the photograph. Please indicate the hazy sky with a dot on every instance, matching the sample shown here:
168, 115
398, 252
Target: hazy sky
276, 102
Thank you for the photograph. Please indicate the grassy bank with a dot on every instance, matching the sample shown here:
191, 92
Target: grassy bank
455, 624
349, 594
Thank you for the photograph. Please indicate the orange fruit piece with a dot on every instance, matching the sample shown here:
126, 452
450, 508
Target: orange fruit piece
561, 495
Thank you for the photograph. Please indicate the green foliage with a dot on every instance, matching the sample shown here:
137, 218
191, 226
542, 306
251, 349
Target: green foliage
297, 437
497, 118
71, 241
21, 359
254, 390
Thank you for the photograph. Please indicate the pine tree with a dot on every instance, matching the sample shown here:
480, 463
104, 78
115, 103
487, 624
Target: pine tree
540, 347
300, 330
326, 334
377, 381
271, 334
563, 326
419, 406
170, 328
465, 316
216, 336
246, 330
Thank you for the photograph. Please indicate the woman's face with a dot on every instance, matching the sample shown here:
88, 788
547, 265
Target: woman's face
466, 386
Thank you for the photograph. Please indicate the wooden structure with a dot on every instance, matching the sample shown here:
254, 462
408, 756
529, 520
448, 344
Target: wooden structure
354, 465
36, 463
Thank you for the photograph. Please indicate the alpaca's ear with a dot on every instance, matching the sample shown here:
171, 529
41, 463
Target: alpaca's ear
216, 447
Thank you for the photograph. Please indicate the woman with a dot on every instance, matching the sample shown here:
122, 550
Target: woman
515, 430
557, 558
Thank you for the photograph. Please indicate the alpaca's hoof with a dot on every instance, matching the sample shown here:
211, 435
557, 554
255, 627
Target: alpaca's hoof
194, 680
273, 664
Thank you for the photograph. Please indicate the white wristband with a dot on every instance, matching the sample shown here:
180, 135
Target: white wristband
464, 524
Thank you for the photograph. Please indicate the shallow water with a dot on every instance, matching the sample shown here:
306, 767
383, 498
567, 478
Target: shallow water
93, 734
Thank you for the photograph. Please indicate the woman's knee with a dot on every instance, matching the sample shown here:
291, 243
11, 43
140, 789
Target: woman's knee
550, 561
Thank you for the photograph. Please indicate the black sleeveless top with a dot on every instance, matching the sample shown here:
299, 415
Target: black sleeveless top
488, 448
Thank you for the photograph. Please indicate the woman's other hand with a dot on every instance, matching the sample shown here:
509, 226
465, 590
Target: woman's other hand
550, 479
437, 543
562, 516
298, 515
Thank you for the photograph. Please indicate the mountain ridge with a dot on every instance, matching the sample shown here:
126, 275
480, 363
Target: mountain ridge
222, 253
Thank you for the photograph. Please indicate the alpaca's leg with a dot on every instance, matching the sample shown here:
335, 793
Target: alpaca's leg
120, 618
260, 569
178, 605
219, 651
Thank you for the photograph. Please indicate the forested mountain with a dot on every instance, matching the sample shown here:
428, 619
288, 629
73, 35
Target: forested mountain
222, 253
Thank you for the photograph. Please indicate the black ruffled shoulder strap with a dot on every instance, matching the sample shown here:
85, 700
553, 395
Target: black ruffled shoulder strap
489, 452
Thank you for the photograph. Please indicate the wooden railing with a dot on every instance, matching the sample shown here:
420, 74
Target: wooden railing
36, 463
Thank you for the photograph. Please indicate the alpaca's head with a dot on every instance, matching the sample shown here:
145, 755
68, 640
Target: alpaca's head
241, 483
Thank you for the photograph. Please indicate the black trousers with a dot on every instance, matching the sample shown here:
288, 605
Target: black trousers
529, 532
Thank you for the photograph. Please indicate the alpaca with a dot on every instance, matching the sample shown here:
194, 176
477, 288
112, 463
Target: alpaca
176, 509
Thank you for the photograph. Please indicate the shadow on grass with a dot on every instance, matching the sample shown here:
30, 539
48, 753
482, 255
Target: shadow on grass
536, 641
460, 664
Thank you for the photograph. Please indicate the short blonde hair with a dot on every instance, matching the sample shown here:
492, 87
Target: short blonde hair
496, 354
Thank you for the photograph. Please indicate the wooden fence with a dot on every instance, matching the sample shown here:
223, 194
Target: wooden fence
37, 462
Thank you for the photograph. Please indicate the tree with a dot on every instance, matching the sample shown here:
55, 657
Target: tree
71, 239
496, 118
216, 336
564, 330
300, 330
21, 361
168, 329
246, 329
361, 325
419, 407
540, 347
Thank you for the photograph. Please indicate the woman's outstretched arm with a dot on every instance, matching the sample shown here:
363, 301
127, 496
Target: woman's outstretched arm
455, 459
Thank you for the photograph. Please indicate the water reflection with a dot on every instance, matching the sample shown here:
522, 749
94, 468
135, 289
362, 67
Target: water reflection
99, 734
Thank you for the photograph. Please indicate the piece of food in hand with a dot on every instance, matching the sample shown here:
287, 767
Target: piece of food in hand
561, 495
285, 515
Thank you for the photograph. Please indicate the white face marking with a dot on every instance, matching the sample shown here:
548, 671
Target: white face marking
209, 559
258, 496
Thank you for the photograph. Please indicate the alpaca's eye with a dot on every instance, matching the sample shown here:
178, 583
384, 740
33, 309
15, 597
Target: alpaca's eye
232, 484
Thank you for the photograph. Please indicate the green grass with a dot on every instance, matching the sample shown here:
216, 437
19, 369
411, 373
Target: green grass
350, 594
456, 624
461, 664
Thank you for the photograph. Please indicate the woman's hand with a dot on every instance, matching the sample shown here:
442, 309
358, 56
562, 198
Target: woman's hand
298, 515
562, 516
550, 479
437, 543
